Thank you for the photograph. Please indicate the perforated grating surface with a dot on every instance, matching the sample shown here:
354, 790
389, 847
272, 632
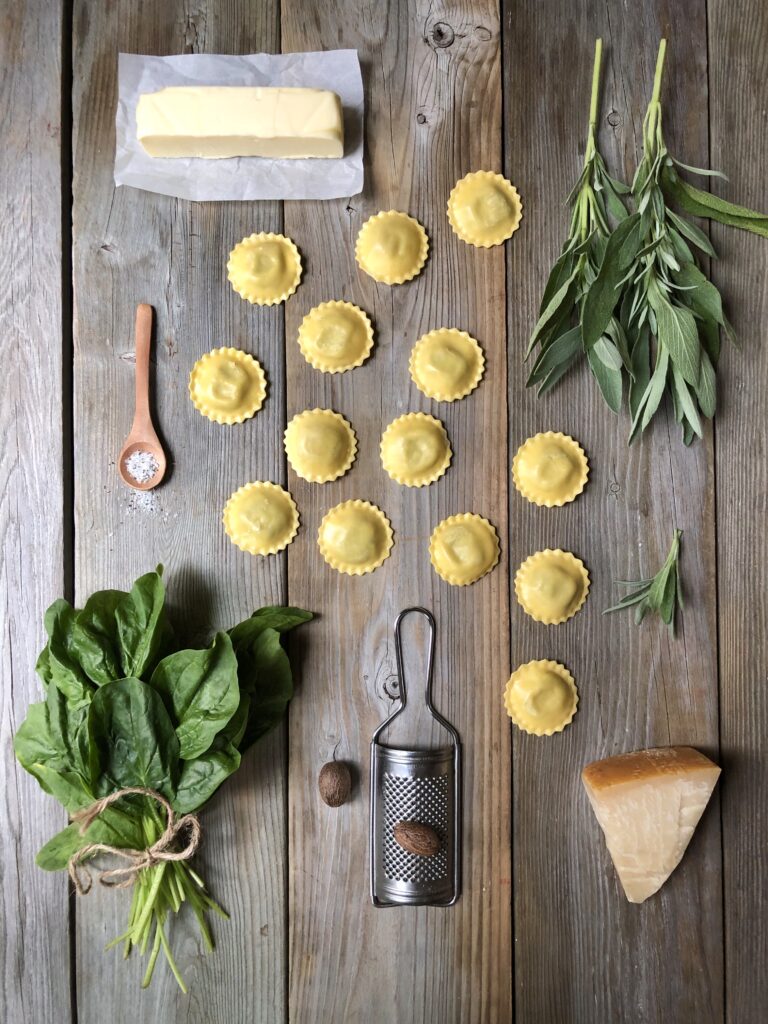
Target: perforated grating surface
415, 799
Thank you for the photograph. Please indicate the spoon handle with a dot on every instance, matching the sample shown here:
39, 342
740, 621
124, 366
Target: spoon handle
141, 416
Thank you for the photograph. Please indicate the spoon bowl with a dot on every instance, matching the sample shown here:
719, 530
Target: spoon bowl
143, 439
143, 448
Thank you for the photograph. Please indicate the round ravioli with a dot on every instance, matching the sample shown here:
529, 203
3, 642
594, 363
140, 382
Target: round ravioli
541, 697
264, 269
484, 209
446, 364
355, 537
415, 450
335, 336
261, 518
552, 586
320, 445
464, 548
392, 247
227, 385
550, 469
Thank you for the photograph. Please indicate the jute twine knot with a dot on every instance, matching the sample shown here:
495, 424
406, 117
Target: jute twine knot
179, 841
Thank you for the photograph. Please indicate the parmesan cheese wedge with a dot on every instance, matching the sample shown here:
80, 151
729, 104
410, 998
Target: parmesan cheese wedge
648, 804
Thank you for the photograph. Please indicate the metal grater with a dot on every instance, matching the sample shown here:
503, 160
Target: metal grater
415, 785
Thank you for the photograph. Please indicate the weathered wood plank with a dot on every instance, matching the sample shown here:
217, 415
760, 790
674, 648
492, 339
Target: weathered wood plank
433, 112
133, 247
738, 39
582, 952
34, 934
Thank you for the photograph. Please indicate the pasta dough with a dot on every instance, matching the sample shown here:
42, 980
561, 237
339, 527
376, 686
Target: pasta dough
335, 336
446, 364
550, 469
464, 548
261, 518
392, 247
484, 209
541, 697
264, 269
415, 450
320, 445
227, 385
355, 537
552, 586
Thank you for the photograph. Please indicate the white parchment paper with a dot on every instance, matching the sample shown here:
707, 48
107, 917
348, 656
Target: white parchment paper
241, 177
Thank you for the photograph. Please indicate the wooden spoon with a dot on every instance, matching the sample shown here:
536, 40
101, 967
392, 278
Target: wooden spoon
142, 437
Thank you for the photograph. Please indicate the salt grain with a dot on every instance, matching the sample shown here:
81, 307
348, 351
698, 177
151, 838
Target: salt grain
144, 503
141, 466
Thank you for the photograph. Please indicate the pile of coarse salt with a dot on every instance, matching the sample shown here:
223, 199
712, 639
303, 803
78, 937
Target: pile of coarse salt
141, 466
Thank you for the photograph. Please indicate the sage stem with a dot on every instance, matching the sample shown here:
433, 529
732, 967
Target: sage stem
659, 71
593, 101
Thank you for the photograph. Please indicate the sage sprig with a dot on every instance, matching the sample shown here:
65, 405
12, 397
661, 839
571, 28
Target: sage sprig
559, 334
647, 313
670, 312
661, 593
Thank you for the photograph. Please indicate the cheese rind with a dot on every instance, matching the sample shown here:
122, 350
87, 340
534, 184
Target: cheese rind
648, 804
215, 122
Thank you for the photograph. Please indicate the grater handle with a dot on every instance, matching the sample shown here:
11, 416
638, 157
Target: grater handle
430, 656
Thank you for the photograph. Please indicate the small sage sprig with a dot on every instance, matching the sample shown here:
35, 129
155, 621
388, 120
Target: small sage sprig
560, 334
660, 594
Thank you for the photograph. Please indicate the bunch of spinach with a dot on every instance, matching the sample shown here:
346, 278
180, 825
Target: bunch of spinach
648, 317
124, 707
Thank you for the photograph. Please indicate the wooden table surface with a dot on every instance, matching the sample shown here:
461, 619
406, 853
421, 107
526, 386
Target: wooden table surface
542, 931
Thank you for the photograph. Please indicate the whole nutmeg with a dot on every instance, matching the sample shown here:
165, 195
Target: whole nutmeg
334, 783
417, 838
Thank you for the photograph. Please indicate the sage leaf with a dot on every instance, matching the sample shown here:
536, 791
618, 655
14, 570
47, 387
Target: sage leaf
701, 295
608, 379
692, 233
706, 389
562, 298
603, 295
678, 334
686, 402
560, 351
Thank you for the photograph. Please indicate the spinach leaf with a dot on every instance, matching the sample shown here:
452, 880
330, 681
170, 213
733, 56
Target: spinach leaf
134, 738
49, 758
200, 691
68, 730
143, 631
114, 827
271, 617
268, 683
200, 778
61, 665
95, 636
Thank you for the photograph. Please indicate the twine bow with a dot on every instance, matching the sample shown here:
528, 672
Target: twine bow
185, 830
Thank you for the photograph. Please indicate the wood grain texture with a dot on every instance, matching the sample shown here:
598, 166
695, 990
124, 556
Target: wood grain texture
131, 247
34, 931
433, 113
738, 39
582, 952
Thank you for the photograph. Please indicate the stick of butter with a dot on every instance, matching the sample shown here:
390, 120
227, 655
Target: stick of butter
214, 122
